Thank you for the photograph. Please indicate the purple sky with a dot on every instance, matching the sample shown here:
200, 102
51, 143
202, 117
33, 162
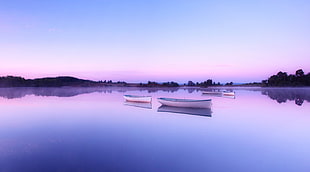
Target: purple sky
137, 41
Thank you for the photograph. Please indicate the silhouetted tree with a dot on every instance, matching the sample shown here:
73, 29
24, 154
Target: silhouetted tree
170, 84
299, 73
190, 83
229, 83
209, 82
282, 79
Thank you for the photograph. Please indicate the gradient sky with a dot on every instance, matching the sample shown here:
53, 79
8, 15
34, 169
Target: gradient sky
160, 40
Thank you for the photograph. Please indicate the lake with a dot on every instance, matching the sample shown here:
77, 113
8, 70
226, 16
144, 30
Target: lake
93, 129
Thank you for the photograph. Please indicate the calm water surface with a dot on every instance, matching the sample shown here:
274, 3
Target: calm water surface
93, 129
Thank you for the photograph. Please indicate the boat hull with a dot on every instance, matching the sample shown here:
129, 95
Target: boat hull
187, 103
228, 93
141, 99
219, 93
212, 93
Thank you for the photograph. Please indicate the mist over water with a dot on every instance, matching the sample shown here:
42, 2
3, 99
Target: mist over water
93, 129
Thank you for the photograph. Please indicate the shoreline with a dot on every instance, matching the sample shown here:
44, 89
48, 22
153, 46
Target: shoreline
68, 81
159, 87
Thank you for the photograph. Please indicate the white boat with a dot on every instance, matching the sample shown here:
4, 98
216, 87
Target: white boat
228, 93
189, 103
133, 98
184, 110
219, 93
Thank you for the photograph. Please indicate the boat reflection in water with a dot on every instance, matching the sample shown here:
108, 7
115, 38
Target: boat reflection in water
139, 104
183, 110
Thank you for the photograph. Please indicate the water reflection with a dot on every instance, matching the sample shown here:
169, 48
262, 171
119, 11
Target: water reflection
165, 89
96, 132
182, 110
11, 93
139, 105
17, 92
282, 95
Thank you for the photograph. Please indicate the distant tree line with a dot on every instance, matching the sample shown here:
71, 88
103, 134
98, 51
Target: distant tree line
282, 79
12, 81
206, 83
155, 84
61, 81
